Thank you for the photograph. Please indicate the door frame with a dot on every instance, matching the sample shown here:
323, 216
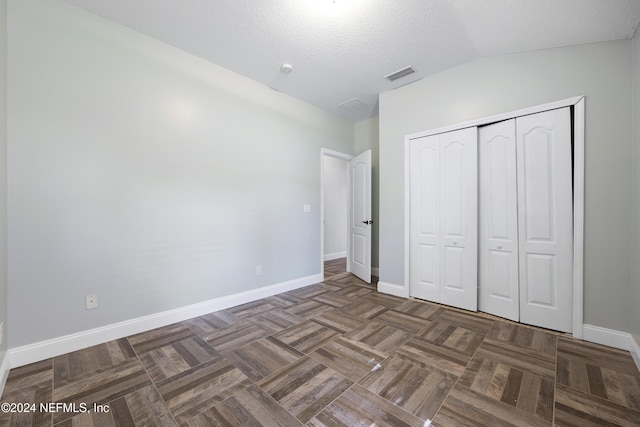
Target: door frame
578, 104
325, 152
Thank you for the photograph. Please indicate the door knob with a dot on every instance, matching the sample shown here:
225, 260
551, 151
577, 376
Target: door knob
367, 222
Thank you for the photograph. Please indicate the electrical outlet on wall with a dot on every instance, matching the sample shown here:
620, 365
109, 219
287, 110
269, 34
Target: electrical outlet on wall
258, 270
91, 301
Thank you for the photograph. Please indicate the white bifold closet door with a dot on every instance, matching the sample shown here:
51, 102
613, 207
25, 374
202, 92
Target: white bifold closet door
443, 215
526, 219
499, 292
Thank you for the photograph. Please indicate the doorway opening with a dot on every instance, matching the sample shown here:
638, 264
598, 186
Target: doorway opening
345, 219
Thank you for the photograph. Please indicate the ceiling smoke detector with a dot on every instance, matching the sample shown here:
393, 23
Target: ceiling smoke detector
400, 74
286, 68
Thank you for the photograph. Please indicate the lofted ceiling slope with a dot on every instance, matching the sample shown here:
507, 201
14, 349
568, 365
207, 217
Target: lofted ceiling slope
342, 49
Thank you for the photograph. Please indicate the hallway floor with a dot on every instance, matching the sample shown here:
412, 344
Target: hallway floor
330, 354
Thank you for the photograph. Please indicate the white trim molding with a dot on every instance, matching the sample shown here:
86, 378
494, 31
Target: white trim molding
608, 337
54, 347
4, 370
335, 255
393, 289
578, 216
634, 349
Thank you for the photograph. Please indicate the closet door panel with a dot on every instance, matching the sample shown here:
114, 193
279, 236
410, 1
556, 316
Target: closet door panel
545, 219
424, 280
459, 218
498, 244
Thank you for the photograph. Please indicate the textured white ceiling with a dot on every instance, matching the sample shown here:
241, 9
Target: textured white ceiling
343, 50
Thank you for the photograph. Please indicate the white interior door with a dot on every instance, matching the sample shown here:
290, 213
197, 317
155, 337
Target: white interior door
498, 245
424, 252
545, 222
443, 218
459, 218
360, 221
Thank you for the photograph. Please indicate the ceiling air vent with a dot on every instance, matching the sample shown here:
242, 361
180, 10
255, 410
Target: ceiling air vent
400, 74
353, 105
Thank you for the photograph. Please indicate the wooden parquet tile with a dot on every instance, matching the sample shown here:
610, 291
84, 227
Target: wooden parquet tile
422, 309
211, 322
100, 387
139, 408
309, 292
336, 353
334, 299
283, 300
170, 360
263, 357
29, 384
353, 359
334, 267
234, 336
80, 363
595, 376
419, 391
29, 377
466, 407
248, 407
160, 337
251, 308
339, 321
359, 407
365, 310
305, 387
354, 293
198, 389
307, 336
309, 309
380, 336
406, 322
275, 320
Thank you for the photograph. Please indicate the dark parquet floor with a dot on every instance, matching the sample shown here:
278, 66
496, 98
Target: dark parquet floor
335, 354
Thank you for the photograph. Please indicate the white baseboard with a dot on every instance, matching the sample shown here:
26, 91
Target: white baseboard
4, 371
335, 255
35, 352
392, 289
634, 349
608, 337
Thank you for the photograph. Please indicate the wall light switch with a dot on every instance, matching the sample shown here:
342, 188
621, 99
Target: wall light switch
306, 208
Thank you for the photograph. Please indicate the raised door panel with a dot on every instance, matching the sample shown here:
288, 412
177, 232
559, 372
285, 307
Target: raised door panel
459, 218
545, 219
424, 261
498, 228
360, 232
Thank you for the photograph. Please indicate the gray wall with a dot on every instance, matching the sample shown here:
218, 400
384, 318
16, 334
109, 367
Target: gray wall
3, 176
635, 283
335, 207
367, 137
146, 175
505, 83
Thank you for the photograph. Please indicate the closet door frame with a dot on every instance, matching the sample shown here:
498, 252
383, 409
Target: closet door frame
578, 104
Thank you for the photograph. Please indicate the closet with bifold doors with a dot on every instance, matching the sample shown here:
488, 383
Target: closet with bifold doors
526, 219
491, 218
